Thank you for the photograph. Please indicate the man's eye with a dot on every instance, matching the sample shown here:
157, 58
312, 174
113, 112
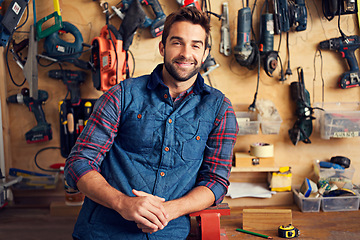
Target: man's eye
197, 46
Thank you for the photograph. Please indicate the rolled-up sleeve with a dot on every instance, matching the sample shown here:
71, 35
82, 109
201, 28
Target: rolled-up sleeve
97, 137
215, 170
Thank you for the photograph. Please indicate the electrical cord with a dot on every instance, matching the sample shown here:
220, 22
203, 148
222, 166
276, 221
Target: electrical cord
41, 168
8, 46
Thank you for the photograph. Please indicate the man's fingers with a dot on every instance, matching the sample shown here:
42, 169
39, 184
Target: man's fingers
144, 194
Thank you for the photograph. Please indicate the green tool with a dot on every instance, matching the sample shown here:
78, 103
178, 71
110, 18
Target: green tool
42, 33
252, 233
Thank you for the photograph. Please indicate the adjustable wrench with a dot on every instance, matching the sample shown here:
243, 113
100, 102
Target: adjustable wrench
225, 44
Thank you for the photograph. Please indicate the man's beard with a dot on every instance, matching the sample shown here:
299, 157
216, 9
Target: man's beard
176, 74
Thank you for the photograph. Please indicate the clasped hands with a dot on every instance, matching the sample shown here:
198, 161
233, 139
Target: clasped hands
148, 211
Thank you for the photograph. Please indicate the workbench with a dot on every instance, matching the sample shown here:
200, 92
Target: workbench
30, 223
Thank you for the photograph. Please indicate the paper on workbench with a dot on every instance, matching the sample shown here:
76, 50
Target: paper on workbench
258, 190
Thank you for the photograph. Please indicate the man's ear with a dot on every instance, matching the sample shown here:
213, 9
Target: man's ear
161, 48
206, 53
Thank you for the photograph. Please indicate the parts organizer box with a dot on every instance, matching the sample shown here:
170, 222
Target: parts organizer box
338, 120
308, 204
248, 123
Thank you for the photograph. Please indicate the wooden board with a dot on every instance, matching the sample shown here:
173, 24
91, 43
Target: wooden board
266, 219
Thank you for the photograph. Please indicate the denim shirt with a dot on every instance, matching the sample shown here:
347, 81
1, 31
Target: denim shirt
137, 138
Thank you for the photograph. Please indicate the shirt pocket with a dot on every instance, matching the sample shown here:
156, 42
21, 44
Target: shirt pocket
137, 132
193, 148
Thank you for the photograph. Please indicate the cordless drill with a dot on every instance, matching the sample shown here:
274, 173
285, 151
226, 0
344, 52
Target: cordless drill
42, 131
156, 25
72, 80
187, 3
346, 46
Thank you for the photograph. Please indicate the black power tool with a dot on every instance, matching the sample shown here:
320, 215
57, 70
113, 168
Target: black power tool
42, 131
346, 46
303, 127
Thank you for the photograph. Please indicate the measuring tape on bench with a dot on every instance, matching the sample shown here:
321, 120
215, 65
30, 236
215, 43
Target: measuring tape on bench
288, 231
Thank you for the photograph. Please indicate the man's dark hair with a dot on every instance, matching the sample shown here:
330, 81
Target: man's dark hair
187, 14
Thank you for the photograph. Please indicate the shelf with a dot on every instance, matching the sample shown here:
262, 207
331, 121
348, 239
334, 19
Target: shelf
255, 169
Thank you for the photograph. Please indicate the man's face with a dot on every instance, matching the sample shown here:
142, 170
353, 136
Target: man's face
184, 51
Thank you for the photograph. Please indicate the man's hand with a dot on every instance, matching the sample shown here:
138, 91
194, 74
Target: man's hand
146, 210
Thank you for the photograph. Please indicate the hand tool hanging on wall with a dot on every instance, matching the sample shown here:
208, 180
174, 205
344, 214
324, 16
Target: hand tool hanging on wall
266, 47
109, 59
346, 45
42, 131
11, 19
65, 51
73, 119
156, 25
225, 43
302, 127
58, 24
72, 80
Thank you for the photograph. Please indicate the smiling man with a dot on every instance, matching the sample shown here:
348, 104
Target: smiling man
156, 147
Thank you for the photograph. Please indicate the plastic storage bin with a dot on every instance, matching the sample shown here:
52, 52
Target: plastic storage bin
330, 174
270, 126
306, 204
338, 120
340, 203
248, 123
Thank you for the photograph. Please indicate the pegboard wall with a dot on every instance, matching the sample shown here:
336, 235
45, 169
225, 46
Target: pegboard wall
321, 72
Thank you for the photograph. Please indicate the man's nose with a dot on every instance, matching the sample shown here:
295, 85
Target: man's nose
186, 51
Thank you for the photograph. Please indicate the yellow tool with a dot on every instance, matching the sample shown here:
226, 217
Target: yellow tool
40, 33
288, 231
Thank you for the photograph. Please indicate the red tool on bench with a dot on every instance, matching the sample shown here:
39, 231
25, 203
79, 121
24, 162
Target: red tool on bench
209, 222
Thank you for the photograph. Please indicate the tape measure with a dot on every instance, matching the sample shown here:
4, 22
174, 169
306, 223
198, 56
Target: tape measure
288, 231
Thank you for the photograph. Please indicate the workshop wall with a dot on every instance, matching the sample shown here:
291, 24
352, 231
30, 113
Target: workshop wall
237, 82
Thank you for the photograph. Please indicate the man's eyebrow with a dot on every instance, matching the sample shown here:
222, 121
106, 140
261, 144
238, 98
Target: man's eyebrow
180, 38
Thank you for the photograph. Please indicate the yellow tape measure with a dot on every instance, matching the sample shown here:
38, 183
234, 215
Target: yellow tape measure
288, 231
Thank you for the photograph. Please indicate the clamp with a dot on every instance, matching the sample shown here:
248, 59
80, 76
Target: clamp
209, 222
288, 231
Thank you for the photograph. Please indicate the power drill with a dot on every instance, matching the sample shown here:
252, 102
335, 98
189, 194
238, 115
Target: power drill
156, 25
346, 46
42, 131
72, 80
187, 3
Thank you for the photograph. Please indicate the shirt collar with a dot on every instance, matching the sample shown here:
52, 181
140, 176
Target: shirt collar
156, 79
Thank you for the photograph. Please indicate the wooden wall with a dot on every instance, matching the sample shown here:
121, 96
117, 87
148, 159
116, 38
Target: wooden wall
237, 82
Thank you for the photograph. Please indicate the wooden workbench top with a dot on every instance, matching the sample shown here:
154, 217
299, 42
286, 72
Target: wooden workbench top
15, 223
312, 225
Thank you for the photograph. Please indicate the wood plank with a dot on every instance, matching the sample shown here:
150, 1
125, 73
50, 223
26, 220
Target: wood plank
265, 219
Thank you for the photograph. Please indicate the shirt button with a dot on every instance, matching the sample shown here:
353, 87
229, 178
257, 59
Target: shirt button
162, 174
170, 120
139, 116
165, 95
198, 138
167, 149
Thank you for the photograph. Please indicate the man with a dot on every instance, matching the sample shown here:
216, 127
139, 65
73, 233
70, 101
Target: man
156, 147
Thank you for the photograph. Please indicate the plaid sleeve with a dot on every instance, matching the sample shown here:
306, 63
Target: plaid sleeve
215, 170
97, 137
